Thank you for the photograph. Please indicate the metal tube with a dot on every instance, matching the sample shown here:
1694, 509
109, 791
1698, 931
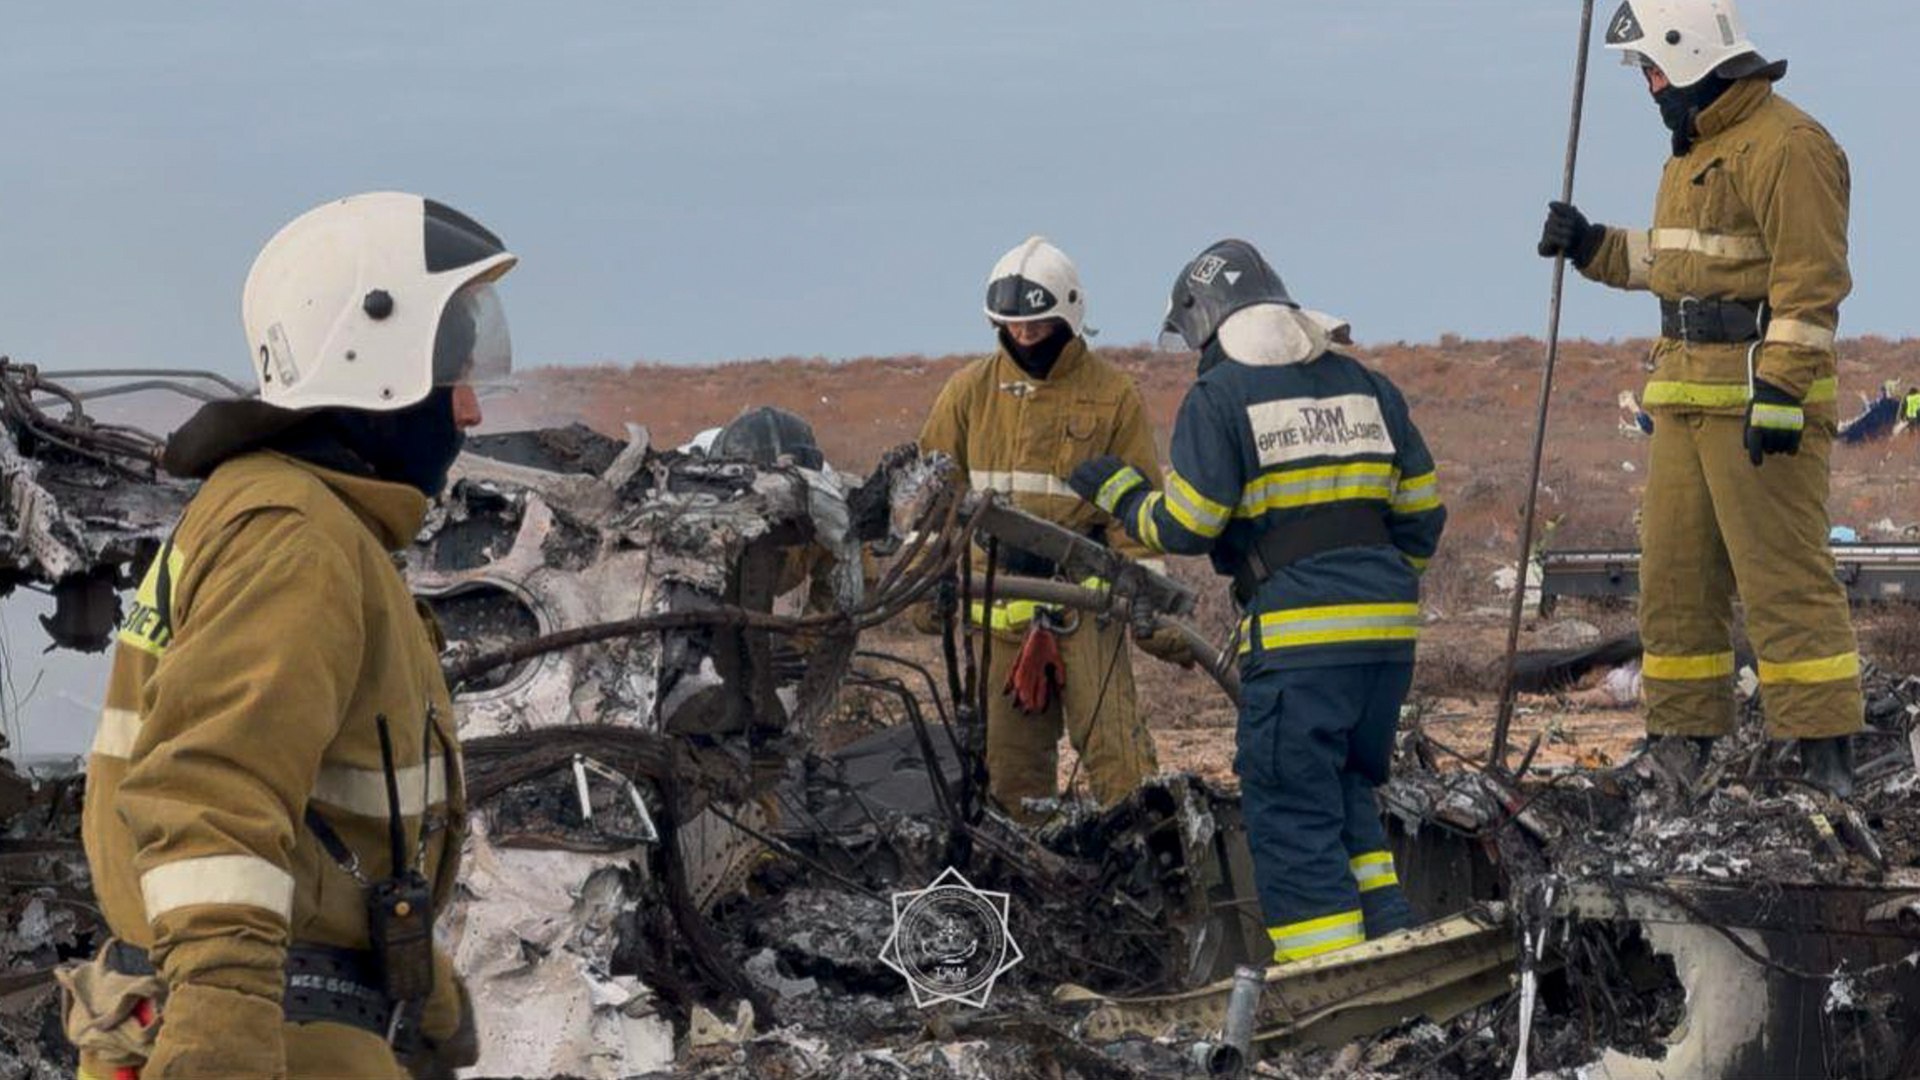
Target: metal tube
1243, 1006
1504, 720
1218, 664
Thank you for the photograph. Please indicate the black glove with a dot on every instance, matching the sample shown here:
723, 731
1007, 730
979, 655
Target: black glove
1568, 232
1104, 481
1774, 422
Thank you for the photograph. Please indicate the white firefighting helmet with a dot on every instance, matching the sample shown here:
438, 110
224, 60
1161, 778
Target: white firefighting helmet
371, 301
1686, 39
1036, 281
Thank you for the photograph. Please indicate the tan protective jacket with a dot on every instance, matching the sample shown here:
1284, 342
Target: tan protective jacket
1012, 433
267, 638
1757, 210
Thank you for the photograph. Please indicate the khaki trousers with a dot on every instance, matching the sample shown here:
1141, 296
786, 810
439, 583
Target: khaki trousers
1713, 524
1116, 751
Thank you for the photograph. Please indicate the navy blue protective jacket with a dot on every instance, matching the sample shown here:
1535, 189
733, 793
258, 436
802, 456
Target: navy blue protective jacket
1272, 446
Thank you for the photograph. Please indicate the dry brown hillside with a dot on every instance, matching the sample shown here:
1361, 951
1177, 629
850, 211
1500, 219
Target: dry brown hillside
1473, 399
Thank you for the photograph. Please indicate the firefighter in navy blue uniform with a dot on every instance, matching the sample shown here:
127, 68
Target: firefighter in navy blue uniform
1300, 472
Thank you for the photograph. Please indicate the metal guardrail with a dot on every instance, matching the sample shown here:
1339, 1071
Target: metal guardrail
1869, 571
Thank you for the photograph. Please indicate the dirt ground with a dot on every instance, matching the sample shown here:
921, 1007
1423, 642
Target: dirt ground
1473, 400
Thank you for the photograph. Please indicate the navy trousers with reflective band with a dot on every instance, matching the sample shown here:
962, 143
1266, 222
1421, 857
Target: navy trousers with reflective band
1313, 745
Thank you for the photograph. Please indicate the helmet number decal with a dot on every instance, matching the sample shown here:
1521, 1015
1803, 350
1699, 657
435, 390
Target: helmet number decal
279, 366
1625, 27
1037, 299
1206, 268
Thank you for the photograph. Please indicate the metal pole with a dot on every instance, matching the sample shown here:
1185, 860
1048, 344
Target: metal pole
1504, 720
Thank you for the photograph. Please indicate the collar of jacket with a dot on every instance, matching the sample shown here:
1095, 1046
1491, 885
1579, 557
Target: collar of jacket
1741, 101
1268, 335
393, 512
1071, 359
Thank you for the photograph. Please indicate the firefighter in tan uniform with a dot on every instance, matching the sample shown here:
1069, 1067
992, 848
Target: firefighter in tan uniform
1748, 255
274, 803
1018, 422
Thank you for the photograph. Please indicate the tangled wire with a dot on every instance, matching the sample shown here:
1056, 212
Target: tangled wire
125, 450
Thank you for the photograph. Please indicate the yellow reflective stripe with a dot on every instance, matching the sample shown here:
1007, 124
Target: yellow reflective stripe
1778, 417
1301, 940
114, 737
1374, 870
1417, 495
1195, 512
364, 791
1800, 332
1830, 669
1116, 486
1712, 245
1016, 482
1639, 258
217, 879
1006, 615
1291, 488
1146, 529
1686, 668
1419, 564
1726, 395
1246, 636
148, 625
1339, 624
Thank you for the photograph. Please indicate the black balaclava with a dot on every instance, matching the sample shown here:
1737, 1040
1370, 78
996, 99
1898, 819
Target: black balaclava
1680, 108
415, 445
1038, 361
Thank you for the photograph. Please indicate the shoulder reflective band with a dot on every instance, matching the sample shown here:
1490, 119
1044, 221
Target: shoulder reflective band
245, 880
1301, 940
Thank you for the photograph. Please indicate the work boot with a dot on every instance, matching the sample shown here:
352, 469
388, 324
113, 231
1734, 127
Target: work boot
1386, 910
1828, 763
1684, 757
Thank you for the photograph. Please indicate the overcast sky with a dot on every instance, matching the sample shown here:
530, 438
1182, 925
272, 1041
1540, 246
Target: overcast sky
689, 182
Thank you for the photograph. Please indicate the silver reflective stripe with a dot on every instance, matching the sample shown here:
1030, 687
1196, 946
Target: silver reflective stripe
1313, 627
1639, 258
1344, 929
217, 879
364, 791
1179, 504
1364, 480
118, 728
1799, 332
1019, 483
1712, 245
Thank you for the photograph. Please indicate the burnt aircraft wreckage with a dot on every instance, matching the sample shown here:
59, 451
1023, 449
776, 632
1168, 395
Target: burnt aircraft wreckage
679, 865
